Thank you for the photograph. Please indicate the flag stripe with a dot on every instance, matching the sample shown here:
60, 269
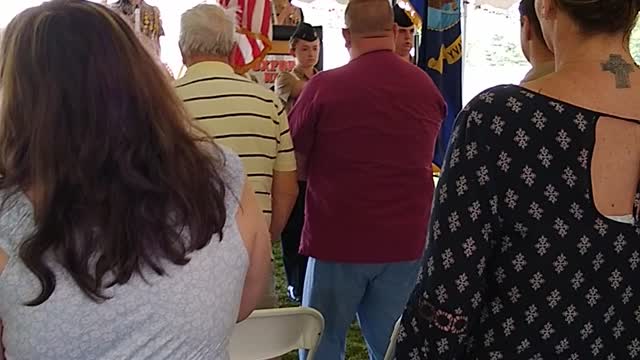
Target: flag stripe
256, 49
254, 17
265, 28
237, 57
245, 47
256, 14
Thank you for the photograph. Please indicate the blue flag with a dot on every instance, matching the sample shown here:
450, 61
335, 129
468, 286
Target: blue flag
440, 54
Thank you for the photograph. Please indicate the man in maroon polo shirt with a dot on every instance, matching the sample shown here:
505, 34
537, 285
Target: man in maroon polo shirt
365, 135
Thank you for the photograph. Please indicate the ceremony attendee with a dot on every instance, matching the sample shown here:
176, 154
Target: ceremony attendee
365, 134
124, 231
533, 44
239, 114
305, 47
405, 41
285, 13
146, 21
534, 248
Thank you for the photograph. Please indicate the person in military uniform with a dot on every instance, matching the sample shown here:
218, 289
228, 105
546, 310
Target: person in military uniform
150, 24
305, 47
405, 41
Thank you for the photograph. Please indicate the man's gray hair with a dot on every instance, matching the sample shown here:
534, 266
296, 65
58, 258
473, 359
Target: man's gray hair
208, 29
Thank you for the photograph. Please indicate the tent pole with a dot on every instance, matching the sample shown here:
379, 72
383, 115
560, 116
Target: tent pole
465, 12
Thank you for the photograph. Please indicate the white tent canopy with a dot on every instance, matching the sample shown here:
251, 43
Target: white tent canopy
500, 4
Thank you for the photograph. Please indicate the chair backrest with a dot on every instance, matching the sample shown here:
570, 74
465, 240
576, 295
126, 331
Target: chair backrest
274, 332
392, 343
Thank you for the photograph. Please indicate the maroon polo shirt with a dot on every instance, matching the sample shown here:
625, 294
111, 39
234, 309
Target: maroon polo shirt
365, 134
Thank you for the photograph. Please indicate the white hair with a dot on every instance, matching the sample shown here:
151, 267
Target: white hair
208, 29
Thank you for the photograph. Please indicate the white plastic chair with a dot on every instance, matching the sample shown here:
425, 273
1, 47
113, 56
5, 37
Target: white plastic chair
267, 334
392, 343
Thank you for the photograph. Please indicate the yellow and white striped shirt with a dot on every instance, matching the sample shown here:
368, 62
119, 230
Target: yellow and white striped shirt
243, 116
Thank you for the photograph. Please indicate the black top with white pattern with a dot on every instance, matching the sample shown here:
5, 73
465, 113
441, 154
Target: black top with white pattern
519, 263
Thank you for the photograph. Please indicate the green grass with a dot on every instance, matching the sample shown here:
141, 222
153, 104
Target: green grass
356, 349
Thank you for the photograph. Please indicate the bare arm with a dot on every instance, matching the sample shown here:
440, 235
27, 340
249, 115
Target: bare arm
284, 192
284, 188
255, 234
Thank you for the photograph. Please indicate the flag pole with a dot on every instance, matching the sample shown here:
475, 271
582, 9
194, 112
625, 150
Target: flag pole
465, 13
424, 33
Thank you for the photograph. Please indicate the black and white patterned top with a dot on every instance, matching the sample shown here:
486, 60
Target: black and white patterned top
519, 263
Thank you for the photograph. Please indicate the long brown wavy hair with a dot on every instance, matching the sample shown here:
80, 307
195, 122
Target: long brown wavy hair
93, 133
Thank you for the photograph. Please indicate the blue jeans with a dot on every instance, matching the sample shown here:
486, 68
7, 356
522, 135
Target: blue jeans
376, 293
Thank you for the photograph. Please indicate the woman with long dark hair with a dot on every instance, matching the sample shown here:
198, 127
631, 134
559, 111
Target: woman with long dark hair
124, 231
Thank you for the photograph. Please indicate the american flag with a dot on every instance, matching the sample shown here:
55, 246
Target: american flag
254, 32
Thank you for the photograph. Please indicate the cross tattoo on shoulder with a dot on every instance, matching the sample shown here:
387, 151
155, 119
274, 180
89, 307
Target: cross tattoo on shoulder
621, 69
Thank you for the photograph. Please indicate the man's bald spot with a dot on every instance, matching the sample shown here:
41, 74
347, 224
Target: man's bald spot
369, 18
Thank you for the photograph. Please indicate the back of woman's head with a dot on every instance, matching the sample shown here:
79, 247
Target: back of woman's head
602, 16
93, 132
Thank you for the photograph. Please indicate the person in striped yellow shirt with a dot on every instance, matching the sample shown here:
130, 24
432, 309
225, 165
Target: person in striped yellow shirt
239, 114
